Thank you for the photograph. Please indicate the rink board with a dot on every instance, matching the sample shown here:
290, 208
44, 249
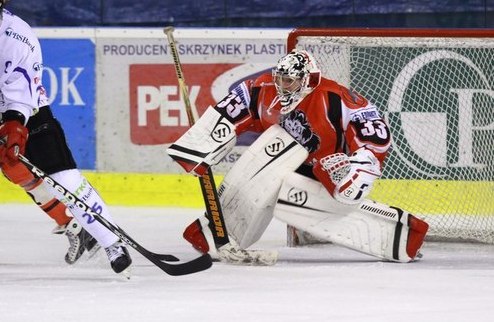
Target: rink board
181, 190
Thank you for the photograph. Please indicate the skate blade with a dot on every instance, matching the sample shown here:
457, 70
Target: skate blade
126, 273
93, 251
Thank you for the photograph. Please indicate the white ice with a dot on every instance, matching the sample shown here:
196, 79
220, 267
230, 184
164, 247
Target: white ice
451, 283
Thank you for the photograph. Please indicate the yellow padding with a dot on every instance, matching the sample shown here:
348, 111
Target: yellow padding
182, 190
437, 196
130, 189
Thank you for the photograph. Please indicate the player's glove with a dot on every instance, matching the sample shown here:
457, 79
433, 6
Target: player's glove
349, 179
14, 134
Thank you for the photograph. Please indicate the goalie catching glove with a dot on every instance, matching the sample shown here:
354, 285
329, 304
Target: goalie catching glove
348, 179
205, 143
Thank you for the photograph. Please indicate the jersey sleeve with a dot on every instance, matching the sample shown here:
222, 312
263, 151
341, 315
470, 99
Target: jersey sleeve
236, 106
364, 126
21, 87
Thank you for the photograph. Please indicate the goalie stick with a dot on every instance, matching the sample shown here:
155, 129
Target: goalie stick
196, 265
226, 250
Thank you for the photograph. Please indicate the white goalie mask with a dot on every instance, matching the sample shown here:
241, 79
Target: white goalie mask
295, 76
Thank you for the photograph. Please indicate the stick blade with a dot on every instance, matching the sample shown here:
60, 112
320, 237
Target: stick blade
166, 258
198, 264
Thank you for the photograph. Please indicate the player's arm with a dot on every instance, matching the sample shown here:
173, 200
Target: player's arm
364, 126
215, 133
19, 98
349, 178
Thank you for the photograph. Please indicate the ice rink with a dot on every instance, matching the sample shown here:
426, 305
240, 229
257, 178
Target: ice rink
452, 282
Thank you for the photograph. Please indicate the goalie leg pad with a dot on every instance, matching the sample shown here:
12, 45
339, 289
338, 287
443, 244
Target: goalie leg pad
249, 190
372, 228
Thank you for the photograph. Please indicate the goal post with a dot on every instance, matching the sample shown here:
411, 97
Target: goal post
435, 88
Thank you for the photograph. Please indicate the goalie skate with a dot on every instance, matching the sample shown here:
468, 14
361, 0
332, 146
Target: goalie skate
228, 253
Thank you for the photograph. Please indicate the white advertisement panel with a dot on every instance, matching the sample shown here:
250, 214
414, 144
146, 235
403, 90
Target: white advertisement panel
140, 110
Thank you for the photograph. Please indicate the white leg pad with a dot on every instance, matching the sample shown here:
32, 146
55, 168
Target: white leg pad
371, 228
249, 191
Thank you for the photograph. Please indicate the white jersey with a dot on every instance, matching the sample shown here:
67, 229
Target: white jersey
21, 67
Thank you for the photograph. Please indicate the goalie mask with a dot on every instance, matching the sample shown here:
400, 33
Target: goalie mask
295, 76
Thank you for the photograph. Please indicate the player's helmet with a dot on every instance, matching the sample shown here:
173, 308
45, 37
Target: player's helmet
295, 76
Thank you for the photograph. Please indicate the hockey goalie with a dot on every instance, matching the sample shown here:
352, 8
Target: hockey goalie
320, 150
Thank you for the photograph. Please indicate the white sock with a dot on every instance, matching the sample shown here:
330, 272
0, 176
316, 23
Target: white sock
77, 184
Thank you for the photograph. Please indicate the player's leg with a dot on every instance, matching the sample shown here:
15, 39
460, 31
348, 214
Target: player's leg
48, 149
250, 189
372, 228
79, 239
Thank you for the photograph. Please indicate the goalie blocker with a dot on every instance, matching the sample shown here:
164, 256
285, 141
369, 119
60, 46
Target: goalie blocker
263, 183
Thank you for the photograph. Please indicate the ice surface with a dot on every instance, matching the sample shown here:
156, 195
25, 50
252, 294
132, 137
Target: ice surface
453, 282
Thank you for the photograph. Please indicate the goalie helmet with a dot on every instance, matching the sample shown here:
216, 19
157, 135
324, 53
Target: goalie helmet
295, 76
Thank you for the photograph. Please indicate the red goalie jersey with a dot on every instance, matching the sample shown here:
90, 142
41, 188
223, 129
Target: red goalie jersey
329, 120
345, 136
346, 139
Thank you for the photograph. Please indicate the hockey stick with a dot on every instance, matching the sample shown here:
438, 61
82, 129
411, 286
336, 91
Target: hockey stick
208, 187
214, 211
199, 264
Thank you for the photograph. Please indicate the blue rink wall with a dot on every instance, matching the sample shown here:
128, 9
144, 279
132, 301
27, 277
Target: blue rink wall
69, 77
277, 14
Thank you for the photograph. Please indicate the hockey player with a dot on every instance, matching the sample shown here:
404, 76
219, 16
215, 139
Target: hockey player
29, 127
321, 149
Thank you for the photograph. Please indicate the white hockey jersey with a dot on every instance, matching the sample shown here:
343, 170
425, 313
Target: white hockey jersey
21, 66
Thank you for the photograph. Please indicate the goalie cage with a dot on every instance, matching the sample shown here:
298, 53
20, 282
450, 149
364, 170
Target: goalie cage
434, 88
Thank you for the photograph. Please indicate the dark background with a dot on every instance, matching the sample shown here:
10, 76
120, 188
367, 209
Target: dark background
258, 13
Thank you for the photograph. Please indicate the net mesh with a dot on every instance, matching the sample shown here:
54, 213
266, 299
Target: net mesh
436, 95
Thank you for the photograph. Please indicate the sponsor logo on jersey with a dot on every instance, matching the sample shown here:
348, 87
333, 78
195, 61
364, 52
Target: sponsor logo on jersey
14, 35
37, 66
367, 114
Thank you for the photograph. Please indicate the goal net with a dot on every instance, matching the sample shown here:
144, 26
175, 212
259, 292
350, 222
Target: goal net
435, 89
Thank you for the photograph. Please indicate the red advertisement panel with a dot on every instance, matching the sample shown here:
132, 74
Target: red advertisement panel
157, 109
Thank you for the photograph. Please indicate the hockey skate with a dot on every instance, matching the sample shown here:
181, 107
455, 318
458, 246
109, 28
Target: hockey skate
79, 241
119, 258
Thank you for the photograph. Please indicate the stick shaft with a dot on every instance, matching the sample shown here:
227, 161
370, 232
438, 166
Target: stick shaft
214, 212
